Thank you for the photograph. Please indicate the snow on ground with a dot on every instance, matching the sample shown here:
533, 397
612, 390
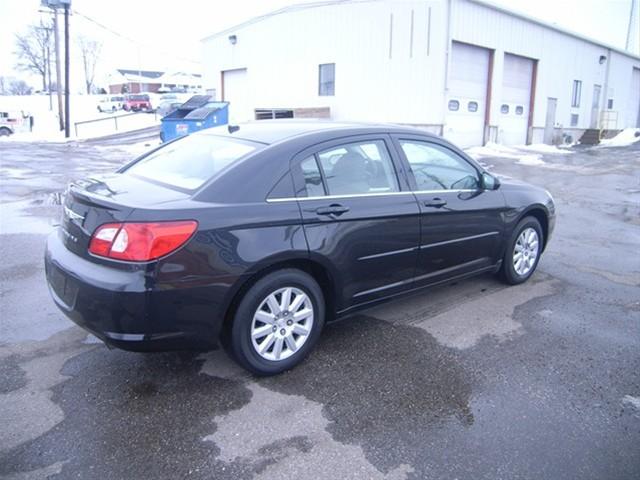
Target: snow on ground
626, 137
523, 154
83, 108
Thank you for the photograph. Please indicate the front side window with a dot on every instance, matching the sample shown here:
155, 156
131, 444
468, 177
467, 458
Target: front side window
438, 168
189, 162
327, 80
358, 168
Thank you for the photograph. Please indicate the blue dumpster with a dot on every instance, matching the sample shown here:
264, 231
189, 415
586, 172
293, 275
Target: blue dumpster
197, 113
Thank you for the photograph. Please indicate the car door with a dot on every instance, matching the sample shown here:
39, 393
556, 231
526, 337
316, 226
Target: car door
359, 216
461, 222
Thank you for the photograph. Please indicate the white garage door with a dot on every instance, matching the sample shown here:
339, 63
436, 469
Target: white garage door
467, 98
513, 119
633, 116
235, 91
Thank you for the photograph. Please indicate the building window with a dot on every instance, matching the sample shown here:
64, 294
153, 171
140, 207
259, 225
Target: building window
327, 80
454, 105
610, 104
472, 106
575, 94
504, 108
519, 110
574, 120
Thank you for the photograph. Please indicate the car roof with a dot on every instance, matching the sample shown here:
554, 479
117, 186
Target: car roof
273, 131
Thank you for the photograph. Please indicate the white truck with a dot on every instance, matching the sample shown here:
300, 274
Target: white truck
111, 103
13, 122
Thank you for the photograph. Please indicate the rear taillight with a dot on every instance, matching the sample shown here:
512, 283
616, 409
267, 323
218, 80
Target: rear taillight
140, 242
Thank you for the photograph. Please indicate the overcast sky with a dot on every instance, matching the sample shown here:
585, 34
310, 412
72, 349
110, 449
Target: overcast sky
145, 34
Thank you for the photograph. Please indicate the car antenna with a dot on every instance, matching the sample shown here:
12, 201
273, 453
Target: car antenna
233, 128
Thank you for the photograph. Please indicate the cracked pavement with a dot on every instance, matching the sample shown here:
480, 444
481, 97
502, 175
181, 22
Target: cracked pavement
472, 380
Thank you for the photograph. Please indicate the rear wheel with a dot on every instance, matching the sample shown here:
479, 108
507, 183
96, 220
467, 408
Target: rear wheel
523, 252
4, 132
278, 321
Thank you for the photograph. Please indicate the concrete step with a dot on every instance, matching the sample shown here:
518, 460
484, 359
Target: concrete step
590, 137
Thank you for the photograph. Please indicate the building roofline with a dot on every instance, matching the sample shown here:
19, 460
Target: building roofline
287, 9
484, 3
552, 26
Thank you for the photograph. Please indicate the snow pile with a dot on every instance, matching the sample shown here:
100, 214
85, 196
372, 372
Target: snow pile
626, 137
496, 150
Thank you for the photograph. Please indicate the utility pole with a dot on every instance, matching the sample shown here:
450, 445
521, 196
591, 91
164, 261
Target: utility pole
67, 122
53, 5
56, 37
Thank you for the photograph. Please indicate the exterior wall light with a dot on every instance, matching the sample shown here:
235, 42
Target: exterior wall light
233, 40
602, 59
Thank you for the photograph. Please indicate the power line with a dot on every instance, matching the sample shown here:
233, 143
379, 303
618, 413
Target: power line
132, 40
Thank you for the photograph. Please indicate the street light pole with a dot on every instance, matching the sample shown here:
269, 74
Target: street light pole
67, 122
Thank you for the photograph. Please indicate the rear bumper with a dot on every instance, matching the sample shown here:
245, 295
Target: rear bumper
122, 307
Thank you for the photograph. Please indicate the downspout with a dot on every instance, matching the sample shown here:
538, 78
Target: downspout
606, 91
447, 54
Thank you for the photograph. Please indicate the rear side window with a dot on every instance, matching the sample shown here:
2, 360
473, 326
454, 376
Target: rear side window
189, 162
312, 177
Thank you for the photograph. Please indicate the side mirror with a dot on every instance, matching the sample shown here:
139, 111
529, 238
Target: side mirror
489, 182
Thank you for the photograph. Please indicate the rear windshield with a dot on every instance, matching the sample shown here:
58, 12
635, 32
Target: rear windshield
189, 162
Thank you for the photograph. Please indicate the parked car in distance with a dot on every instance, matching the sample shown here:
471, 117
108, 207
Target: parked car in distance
167, 107
111, 104
169, 102
259, 233
137, 102
13, 122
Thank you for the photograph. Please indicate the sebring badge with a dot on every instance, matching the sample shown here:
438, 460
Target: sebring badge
72, 215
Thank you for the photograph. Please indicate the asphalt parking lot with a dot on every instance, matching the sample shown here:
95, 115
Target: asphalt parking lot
473, 380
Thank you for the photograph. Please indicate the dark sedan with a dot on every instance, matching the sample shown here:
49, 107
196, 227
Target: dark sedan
257, 234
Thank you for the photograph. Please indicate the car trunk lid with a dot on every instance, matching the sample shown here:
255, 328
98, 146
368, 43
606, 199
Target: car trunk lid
96, 201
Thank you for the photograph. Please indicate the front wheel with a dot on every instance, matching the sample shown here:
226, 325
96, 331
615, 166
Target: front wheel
523, 252
278, 321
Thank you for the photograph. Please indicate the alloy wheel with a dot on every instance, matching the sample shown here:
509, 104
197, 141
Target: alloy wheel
282, 323
525, 251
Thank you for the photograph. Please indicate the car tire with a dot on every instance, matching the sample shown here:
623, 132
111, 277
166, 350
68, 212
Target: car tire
523, 252
281, 329
4, 132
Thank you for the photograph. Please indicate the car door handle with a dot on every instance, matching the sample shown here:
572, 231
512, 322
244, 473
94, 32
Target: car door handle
435, 202
334, 209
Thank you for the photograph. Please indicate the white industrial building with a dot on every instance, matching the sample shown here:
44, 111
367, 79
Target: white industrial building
467, 69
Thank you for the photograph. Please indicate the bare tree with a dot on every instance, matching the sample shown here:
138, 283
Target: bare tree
4, 86
19, 87
32, 50
90, 53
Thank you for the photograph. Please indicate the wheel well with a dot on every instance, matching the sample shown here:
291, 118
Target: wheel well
317, 271
5, 129
541, 216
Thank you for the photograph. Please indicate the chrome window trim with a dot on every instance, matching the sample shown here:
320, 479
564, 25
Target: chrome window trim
364, 195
